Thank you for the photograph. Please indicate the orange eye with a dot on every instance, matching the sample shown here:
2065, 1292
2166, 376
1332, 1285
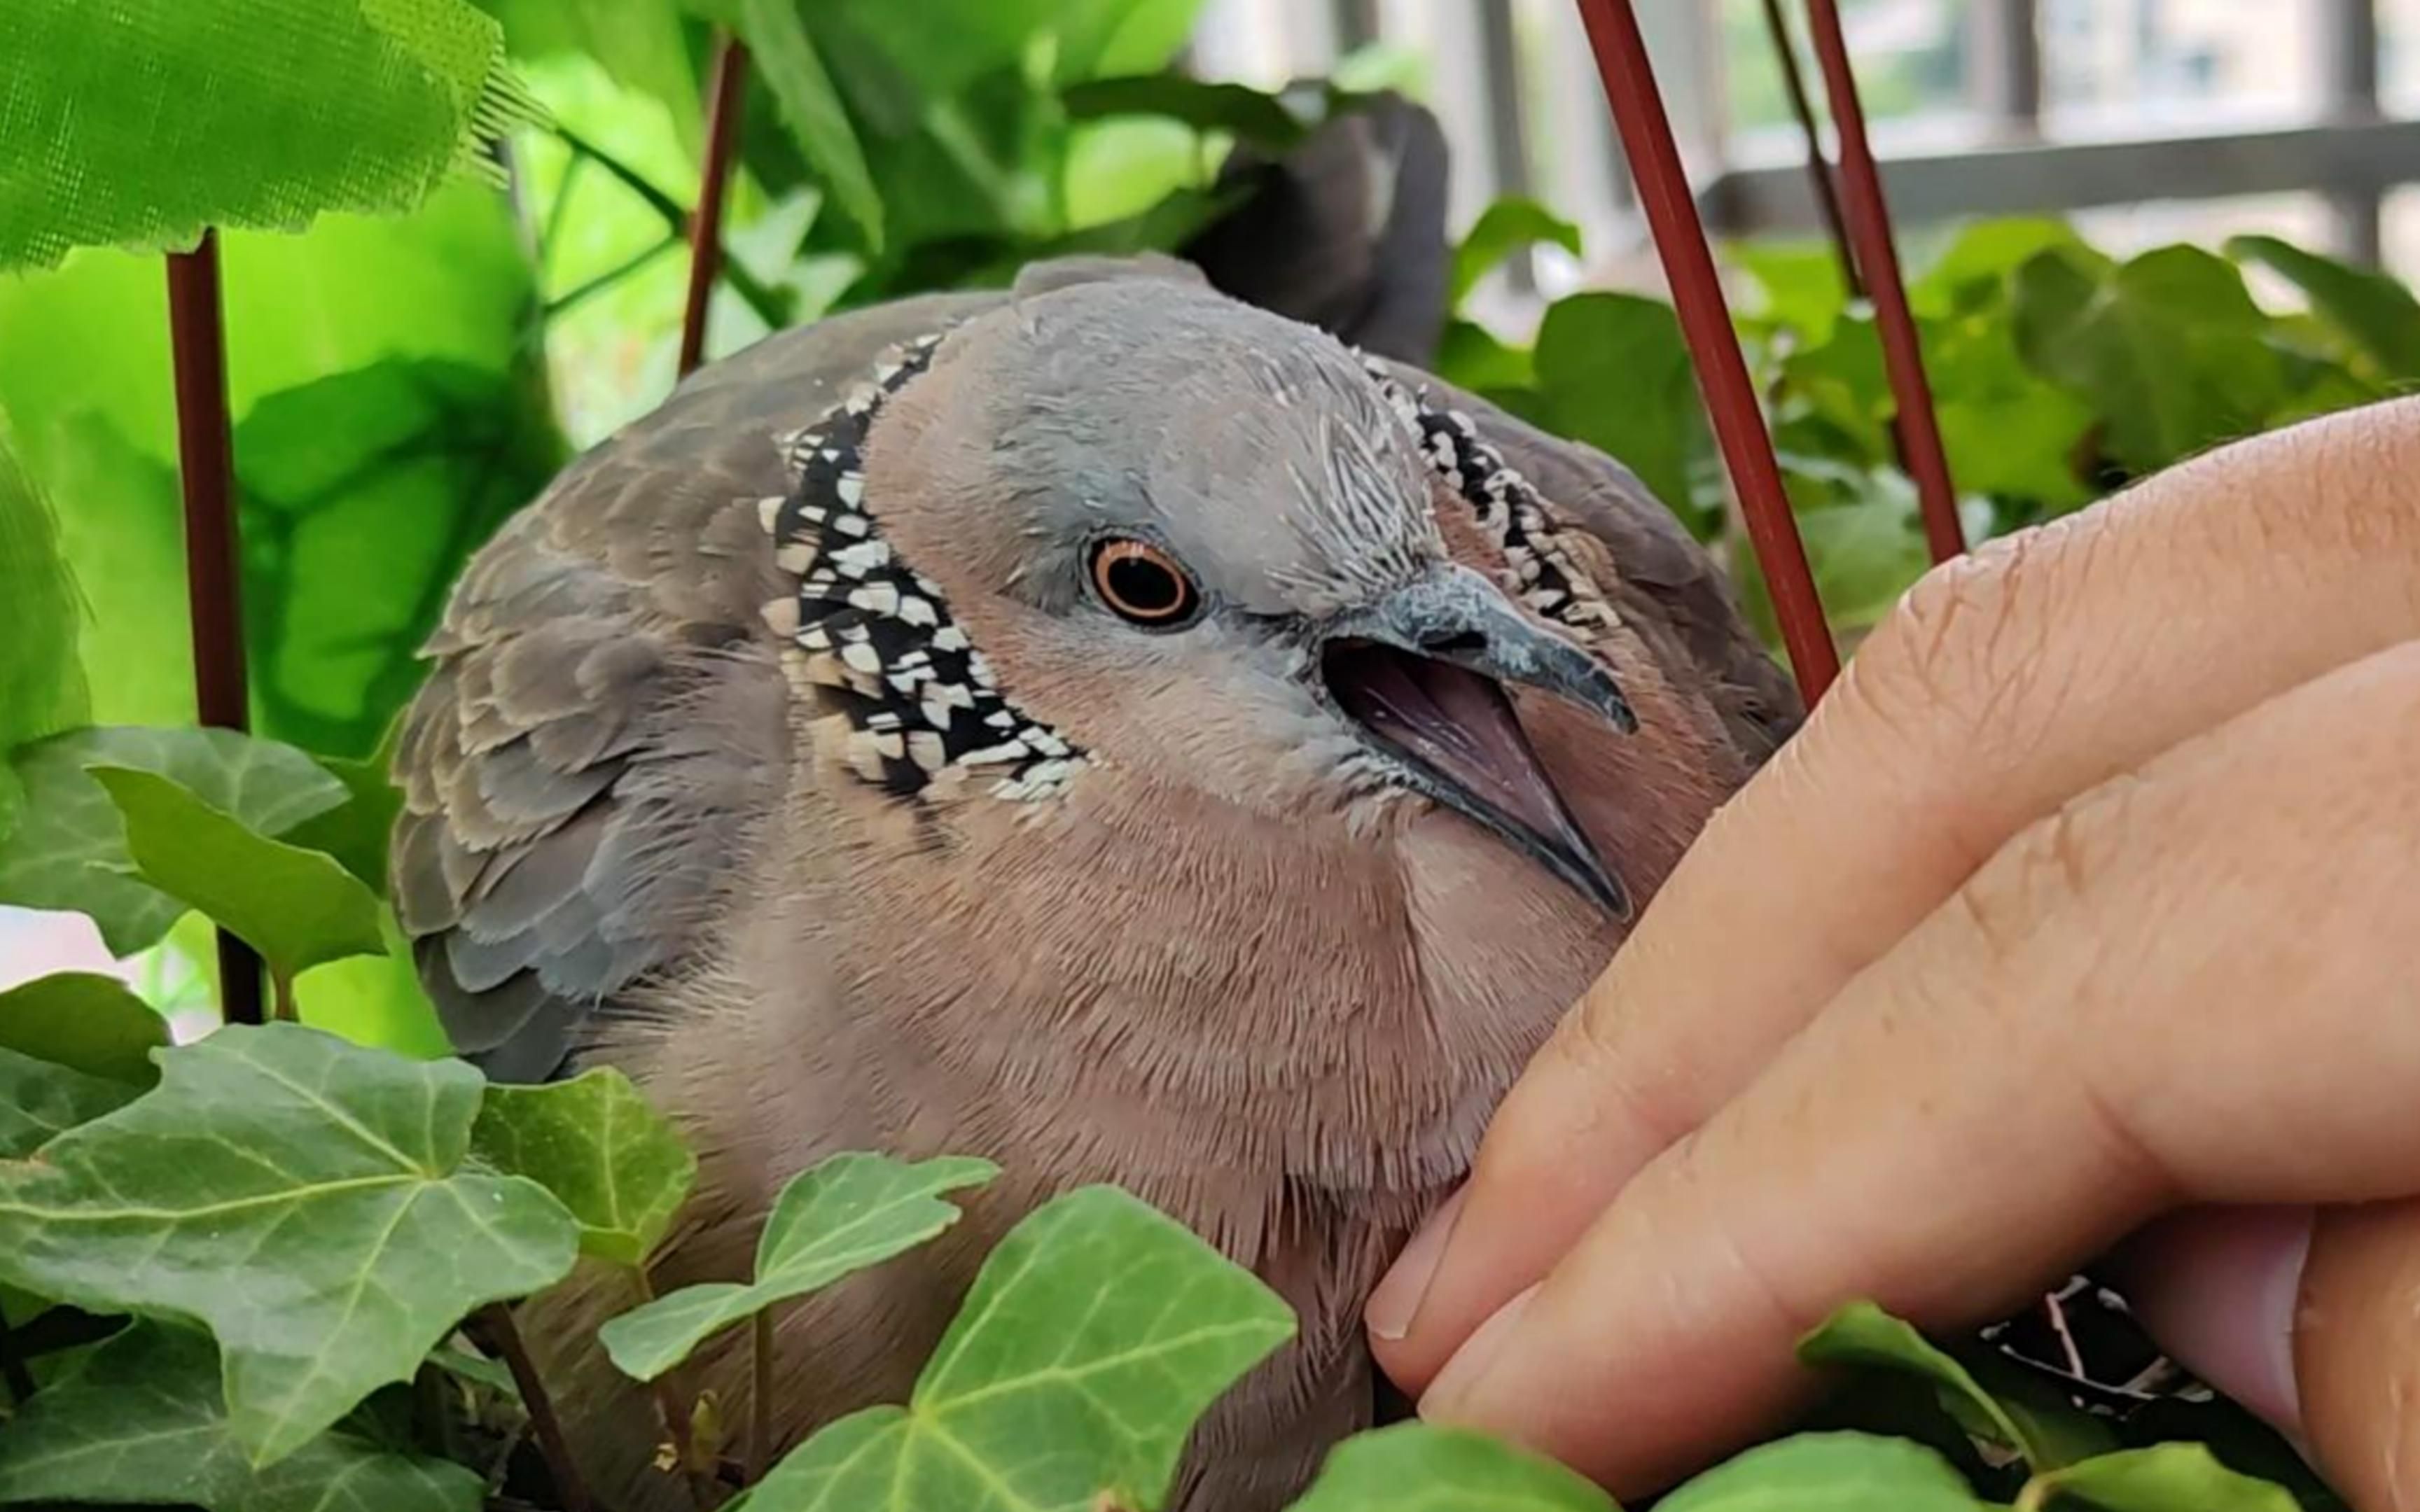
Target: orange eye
1142, 584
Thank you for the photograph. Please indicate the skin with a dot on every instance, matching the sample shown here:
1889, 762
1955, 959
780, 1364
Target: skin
2084, 902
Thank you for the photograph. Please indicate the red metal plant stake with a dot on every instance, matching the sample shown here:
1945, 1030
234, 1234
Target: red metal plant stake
1869, 231
729, 89
1706, 320
214, 575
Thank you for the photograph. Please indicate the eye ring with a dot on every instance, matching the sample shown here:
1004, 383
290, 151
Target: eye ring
1143, 584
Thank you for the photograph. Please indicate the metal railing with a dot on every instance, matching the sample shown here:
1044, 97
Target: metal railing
1510, 81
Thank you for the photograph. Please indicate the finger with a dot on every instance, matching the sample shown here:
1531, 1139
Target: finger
2006, 683
2357, 1351
2190, 985
2218, 1287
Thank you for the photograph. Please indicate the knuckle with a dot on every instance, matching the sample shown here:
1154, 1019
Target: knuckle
1958, 651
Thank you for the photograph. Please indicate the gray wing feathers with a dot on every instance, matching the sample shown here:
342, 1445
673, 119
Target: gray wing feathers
603, 723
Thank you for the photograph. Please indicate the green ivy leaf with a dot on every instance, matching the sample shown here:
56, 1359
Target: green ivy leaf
2372, 308
87, 1021
1509, 225
297, 907
786, 57
1239, 110
1097, 1333
1615, 373
849, 1213
594, 1142
2171, 1477
166, 120
69, 853
143, 1422
1866, 551
356, 832
41, 682
1828, 1473
1414, 1468
300, 1197
1862, 1334
1469, 356
40, 1099
2169, 349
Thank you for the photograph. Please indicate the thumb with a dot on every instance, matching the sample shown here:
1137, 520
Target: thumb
2311, 1319
2357, 1353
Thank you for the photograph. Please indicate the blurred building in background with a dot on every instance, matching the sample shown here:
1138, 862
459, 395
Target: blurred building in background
2145, 120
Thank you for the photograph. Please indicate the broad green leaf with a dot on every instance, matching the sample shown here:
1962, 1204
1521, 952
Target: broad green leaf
2008, 431
1863, 1334
1241, 112
87, 1021
1796, 286
1865, 551
1109, 38
374, 999
297, 907
1829, 1473
594, 1142
143, 1422
40, 1099
364, 495
2171, 1477
2372, 308
1097, 1333
42, 681
785, 55
1615, 373
168, 120
301, 1197
341, 585
1414, 1468
356, 833
2168, 350
1510, 225
70, 852
638, 41
1469, 356
849, 1213
1977, 264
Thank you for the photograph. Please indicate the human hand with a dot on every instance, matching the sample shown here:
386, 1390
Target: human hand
2090, 895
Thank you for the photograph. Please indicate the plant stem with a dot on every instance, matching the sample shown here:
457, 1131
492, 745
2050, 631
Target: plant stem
760, 1394
675, 1412
770, 304
705, 226
283, 986
609, 278
505, 1337
213, 577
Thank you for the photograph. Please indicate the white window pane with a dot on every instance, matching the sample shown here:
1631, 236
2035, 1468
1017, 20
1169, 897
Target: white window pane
2141, 67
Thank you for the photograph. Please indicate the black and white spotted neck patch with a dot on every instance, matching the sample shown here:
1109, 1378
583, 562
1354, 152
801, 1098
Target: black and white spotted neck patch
871, 635
1538, 567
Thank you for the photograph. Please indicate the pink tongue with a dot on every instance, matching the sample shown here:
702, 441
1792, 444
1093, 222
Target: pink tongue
1458, 722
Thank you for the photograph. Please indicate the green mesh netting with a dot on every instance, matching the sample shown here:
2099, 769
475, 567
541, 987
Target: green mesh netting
140, 122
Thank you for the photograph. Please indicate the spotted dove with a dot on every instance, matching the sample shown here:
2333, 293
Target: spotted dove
1097, 725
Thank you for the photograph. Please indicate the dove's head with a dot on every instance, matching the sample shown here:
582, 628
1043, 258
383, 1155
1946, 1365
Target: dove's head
1130, 527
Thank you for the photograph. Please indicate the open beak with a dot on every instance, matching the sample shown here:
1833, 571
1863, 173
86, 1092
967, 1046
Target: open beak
1423, 672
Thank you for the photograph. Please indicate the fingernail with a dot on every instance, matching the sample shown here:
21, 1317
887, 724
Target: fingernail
2219, 1287
1470, 1364
1396, 1301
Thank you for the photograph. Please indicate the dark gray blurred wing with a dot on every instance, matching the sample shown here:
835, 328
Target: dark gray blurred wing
1346, 232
